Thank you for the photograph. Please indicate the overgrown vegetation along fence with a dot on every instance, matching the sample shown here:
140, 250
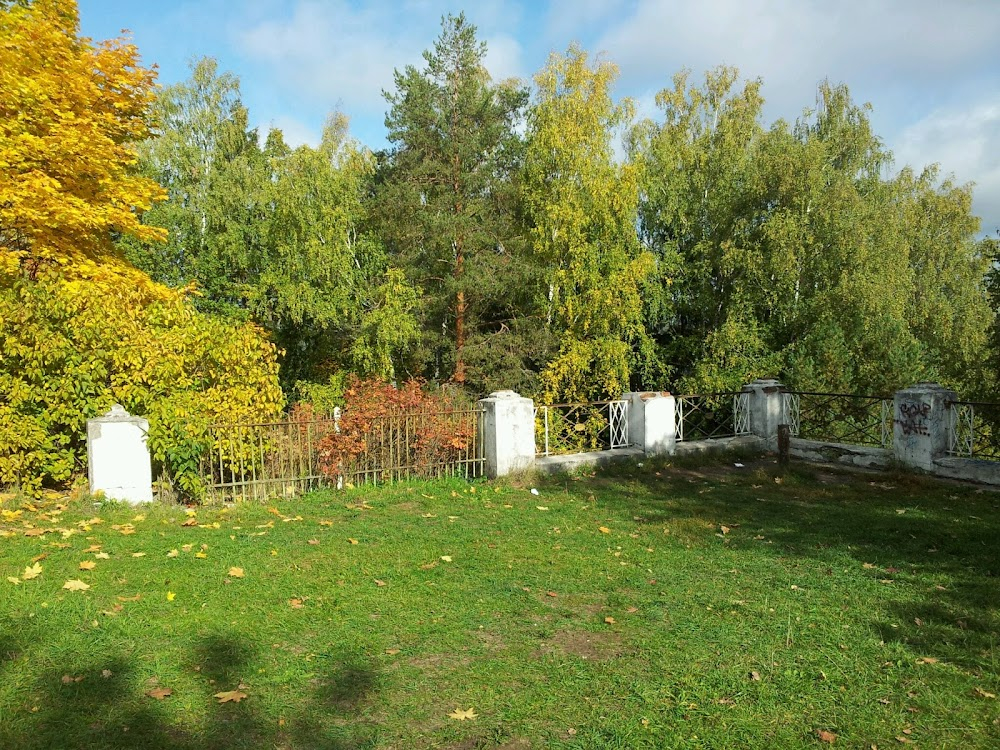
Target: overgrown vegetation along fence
712, 415
579, 428
974, 429
278, 459
839, 418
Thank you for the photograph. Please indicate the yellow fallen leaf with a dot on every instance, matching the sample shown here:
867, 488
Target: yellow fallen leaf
173, 553
88, 565
202, 555
353, 541
609, 620
392, 651
15, 581
446, 558
75, 585
978, 691
187, 547
171, 596
138, 554
380, 583
102, 556
160, 693
236, 572
32, 572
461, 715
230, 696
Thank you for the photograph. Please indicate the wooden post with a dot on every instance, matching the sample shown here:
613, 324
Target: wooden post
784, 442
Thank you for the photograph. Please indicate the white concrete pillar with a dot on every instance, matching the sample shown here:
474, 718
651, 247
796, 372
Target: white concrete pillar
508, 432
118, 458
765, 409
920, 424
652, 421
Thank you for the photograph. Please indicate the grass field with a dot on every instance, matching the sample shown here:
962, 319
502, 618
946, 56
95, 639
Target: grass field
654, 606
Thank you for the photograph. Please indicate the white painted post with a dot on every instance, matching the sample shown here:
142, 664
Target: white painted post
508, 432
652, 422
920, 424
117, 456
765, 409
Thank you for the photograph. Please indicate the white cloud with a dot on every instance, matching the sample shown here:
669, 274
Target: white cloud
504, 57
965, 142
295, 132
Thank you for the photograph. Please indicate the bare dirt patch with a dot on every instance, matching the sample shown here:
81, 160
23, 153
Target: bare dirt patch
585, 645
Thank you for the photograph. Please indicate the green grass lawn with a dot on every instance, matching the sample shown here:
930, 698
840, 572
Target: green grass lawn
651, 606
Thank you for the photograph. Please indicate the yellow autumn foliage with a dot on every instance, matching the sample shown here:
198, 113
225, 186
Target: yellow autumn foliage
70, 112
73, 346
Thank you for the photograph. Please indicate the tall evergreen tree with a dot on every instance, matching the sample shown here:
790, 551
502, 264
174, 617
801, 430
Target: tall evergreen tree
447, 209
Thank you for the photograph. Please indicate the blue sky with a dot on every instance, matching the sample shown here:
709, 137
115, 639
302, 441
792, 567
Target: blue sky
930, 68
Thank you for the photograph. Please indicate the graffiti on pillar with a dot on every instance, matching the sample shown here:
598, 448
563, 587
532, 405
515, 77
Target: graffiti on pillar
913, 418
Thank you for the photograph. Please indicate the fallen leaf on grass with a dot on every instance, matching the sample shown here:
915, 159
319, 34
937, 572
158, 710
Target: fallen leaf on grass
295, 603
88, 565
313, 541
69, 679
927, 660
326, 523
609, 620
35, 532
187, 547
904, 740
230, 696
106, 673
551, 593
868, 566
380, 583
15, 581
725, 530
542, 507
92, 548
135, 598
755, 676
461, 715
173, 553
190, 522
236, 573
138, 554
825, 736
429, 566
446, 558
102, 556
171, 596
32, 571
352, 541
75, 585
604, 529
392, 651
200, 555
979, 692
160, 693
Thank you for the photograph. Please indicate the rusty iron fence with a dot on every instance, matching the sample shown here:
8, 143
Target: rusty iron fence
974, 429
579, 428
712, 415
839, 418
260, 462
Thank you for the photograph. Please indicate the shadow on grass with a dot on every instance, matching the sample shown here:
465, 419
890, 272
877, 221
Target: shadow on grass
939, 540
115, 711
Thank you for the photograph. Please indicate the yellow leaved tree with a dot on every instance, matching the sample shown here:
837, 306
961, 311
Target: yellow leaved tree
70, 112
80, 328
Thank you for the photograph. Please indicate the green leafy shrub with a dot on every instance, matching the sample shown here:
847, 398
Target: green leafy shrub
70, 347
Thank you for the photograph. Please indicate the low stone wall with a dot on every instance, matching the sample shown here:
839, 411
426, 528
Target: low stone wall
841, 453
970, 469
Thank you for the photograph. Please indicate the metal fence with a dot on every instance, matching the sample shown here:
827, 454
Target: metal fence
712, 415
579, 428
264, 461
412, 445
281, 459
839, 418
974, 429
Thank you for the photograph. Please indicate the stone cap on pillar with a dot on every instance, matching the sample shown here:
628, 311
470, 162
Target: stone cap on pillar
505, 394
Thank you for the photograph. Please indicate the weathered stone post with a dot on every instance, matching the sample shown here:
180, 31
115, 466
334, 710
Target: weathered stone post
920, 424
652, 421
118, 458
508, 432
766, 411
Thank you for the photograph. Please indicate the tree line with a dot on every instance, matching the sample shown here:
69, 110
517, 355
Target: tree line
544, 240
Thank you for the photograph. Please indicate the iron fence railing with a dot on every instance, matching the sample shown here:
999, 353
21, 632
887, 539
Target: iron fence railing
712, 415
974, 429
579, 428
839, 418
265, 461
412, 445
